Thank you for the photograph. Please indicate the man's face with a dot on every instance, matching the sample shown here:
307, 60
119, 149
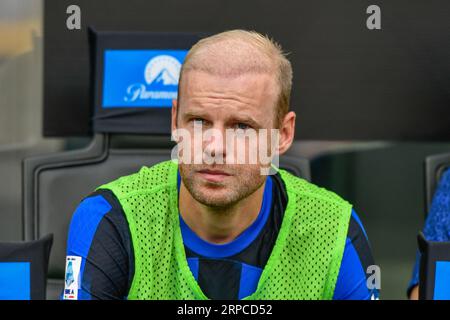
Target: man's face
219, 106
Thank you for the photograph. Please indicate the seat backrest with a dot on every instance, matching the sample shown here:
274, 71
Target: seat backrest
55, 184
11, 157
435, 166
10, 193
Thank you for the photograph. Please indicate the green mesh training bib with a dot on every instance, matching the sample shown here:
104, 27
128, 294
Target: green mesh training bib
304, 262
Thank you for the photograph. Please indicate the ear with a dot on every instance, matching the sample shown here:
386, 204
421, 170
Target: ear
287, 132
174, 114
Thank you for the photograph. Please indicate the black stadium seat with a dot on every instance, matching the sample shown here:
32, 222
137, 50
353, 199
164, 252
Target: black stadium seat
435, 166
55, 184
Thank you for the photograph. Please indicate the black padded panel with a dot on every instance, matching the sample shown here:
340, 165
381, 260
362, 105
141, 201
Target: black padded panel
37, 254
62, 189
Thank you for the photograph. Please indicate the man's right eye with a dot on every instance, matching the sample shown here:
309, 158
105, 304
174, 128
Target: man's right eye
198, 121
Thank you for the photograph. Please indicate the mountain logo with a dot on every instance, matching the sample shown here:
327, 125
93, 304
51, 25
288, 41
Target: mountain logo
162, 70
69, 274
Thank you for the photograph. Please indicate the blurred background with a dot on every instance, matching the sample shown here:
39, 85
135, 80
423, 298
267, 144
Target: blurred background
380, 172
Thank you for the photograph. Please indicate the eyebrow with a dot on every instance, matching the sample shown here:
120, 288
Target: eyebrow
238, 118
193, 114
247, 119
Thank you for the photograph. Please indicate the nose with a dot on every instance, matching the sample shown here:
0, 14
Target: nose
214, 148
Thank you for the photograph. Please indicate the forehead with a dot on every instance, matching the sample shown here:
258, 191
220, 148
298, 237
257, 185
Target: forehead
255, 92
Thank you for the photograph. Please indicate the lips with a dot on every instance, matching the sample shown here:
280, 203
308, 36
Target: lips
213, 175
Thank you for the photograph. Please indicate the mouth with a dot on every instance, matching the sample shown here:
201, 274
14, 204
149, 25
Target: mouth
213, 175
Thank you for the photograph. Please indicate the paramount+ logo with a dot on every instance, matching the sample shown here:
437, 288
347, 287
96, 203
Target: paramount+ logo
161, 76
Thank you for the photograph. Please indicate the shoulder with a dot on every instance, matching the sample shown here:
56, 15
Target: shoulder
93, 208
98, 211
311, 205
89, 212
301, 187
147, 178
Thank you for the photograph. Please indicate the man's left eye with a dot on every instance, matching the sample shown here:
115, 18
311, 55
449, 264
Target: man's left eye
242, 126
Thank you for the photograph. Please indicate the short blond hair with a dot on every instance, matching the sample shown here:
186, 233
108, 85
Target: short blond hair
251, 52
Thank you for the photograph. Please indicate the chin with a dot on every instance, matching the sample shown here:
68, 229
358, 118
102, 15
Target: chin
214, 199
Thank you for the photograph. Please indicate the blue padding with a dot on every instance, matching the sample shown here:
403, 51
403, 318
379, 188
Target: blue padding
442, 281
14, 281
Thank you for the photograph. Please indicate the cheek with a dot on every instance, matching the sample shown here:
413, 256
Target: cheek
248, 173
189, 146
185, 171
252, 151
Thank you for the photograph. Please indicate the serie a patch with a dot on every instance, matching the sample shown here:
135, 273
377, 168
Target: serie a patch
71, 280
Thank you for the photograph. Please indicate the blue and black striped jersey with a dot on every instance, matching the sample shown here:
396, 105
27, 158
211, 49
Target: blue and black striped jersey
99, 234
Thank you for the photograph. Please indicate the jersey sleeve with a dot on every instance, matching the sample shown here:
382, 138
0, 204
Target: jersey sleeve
99, 261
354, 273
437, 224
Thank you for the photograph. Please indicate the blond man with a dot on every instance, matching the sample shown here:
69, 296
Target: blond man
220, 221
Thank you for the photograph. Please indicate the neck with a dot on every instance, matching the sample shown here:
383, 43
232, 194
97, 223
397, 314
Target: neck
219, 224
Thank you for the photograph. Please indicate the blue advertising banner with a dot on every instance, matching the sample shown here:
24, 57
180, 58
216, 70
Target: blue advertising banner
442, 281
14, 280
141, 78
